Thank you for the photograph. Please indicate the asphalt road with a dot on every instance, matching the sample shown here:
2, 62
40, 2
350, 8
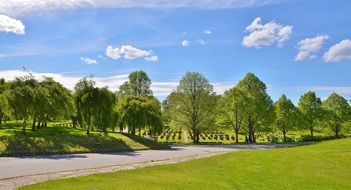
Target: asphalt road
14, 167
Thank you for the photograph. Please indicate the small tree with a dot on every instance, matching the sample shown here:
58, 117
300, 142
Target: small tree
337, 112
310, 107
287, 115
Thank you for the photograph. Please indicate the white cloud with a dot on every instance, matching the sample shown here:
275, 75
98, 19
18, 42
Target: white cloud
339, 52
185, 43
88, 61
201, 41
16, 7
309, 46
152, 58
8, 24
160, 88
208, 32
130, 53
266, 34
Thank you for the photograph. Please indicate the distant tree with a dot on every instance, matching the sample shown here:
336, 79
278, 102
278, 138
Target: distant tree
232, 109
259, 106
311, 108
193, 103
337, 112
287, 115
137, 85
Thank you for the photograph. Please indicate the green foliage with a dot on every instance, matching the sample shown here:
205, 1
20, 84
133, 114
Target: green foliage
22, 98
138, 85
193, 103
232, 107
311, 108
287, 115
140, 112
337, 112
259, 106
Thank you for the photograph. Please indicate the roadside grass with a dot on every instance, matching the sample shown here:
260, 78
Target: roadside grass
56, 139
324, 165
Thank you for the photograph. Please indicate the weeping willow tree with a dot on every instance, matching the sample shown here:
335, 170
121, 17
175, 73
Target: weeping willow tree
138, 113
96, 107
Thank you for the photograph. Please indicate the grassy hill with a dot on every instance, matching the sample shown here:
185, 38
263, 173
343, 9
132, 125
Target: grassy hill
58, 139
324, 165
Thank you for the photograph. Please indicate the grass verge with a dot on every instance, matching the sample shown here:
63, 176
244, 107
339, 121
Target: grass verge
324, 165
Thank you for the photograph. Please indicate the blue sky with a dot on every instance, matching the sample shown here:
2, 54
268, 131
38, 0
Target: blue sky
222, 39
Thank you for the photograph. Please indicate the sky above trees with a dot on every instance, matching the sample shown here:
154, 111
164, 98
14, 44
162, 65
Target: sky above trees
293, 46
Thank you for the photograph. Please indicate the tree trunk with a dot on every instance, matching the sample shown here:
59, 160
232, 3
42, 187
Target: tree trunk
121, 127
24, 125
33, 124
311, 130
284, 135
195, 135
236, 135
337, 129
132, 130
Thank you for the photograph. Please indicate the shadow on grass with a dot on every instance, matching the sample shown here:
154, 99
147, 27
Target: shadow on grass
58, 140
151, 144
63, 140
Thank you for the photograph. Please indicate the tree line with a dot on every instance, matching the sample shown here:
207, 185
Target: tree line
245, 108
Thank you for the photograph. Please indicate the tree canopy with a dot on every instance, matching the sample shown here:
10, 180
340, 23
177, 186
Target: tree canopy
338, 111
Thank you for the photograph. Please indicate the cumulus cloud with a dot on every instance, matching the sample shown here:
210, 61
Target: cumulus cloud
88, 61
185, 43
208, 32
309, 46
129, 52
8, 24
339, 52
266, 34
15, 7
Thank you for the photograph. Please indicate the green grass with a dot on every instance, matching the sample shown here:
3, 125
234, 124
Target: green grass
56, 140
325, 165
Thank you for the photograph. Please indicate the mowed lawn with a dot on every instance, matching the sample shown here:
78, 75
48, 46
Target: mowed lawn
326, 165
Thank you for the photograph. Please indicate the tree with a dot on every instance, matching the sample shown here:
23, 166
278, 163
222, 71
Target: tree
311, 108
259, 106
139, 112
138, 85
85, 101
22, 98
193, 103
337, 112
104, 113
232, 109
287, 115
5, 107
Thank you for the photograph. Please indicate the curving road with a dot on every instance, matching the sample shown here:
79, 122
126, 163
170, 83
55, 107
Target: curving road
16, 171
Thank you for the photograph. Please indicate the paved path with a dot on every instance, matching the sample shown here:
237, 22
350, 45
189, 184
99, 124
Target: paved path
17, 171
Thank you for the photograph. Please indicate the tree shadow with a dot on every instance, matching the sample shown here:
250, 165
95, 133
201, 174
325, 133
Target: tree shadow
48, 143
151, 144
